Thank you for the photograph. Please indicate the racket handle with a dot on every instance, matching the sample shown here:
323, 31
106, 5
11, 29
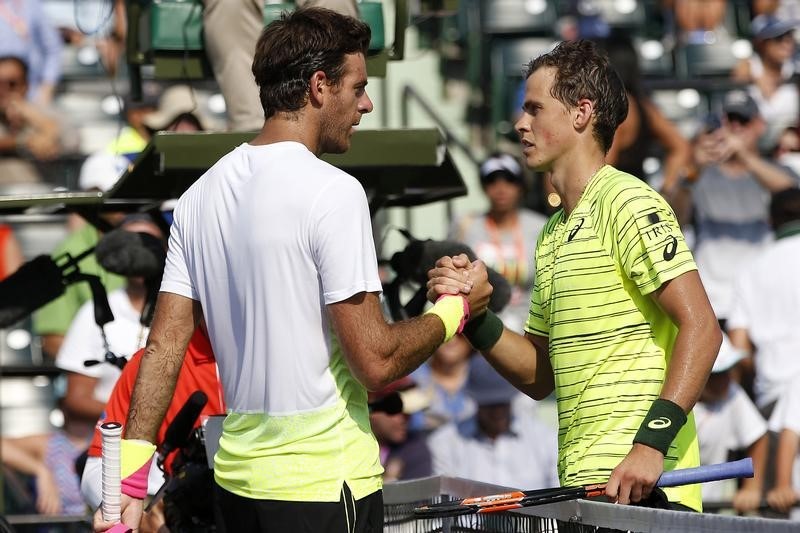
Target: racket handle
111, 433
703, 474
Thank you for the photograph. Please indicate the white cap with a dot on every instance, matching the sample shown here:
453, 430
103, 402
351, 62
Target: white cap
728, 356
101, 171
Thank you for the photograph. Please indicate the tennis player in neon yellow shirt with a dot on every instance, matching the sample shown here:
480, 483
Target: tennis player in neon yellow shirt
620, 326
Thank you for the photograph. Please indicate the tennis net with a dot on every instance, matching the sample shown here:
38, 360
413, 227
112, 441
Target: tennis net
577, 516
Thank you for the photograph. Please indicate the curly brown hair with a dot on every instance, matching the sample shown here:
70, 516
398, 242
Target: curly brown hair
583, 71
298, 44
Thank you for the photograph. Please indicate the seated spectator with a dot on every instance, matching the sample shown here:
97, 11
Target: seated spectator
26, 33
11, 257
496, 446
176, 111
727, 421
27, 133
88, 388
443, 377
198, 372
697, 21
98, 173
49, 461
785, 420
770, 74
404, 453
646, 127
765, 311
730, 197
504, 237
787, 149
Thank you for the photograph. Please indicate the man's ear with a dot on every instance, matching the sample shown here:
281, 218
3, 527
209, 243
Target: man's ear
319, 86
583, 113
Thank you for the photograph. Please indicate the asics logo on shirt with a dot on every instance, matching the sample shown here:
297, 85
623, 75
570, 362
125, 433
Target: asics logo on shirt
662, 422
670, 248
574, 231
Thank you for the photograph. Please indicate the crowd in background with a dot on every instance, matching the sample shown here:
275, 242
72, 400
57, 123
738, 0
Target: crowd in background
733, 184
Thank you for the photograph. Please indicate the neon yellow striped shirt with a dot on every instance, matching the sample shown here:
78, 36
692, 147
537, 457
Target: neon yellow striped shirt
610, 343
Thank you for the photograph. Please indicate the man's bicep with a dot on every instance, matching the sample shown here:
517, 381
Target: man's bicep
356, 323
683, 298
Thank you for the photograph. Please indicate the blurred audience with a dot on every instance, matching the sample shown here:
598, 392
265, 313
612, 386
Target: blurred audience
770, 74
727, 421
495, 445
444, 378
730, 196
49, 461
89, 387
26, 33
11, 257
766, 306
785, 495
645, 128
29, 133
504, 237
697, 21
404, 452
51, 322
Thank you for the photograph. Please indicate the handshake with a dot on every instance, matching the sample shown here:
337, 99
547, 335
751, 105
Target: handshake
457, 275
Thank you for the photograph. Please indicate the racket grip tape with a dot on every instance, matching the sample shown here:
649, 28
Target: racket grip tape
703, 474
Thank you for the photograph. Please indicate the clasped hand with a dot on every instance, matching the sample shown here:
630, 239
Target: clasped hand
459, 275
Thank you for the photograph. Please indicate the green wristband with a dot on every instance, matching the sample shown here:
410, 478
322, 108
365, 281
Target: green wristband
661, 425
484, 331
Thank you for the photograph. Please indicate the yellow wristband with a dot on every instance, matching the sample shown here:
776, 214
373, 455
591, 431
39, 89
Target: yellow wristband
453, 310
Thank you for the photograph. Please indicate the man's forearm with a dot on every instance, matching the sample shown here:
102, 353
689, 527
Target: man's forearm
524, 364
693, 356
173, 324
770, 177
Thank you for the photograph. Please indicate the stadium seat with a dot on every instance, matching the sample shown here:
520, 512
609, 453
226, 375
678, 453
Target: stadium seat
521, 17
715, 59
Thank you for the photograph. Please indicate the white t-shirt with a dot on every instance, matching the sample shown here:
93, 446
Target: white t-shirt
731, 424
265, 240
264, 265
84, 340
767, 304
524, 458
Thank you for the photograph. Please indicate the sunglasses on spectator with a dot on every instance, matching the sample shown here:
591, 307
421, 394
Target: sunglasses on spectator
787, 35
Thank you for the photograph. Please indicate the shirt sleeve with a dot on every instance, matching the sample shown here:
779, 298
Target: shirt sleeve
647, 240
786, 414
176, 278
750, 425
341, 241
50, 43
537, 324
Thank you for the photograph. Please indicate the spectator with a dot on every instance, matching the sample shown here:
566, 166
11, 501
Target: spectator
645, 127
730, 197
444, 378
504, 237
786, 420
494, 445
766, 307
25, 33
88, 388
404, 452
177, 110
727, 421
49, 459
696, 21
27, 133
787, 149
769, 74
99, 172
11, 257
199, 372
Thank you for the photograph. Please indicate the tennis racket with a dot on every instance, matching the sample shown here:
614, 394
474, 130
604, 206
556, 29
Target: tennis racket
514, 500
111, 469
